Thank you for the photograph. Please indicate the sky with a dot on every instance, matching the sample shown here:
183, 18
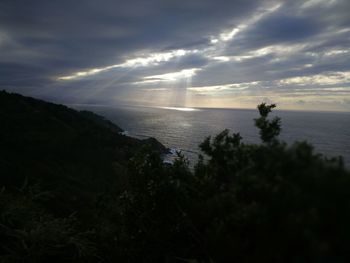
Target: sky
193, 53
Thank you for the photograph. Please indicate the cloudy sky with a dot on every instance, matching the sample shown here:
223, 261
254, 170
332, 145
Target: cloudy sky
193, 53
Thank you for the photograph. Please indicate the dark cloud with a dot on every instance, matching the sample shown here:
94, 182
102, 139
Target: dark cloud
283, 28
43, 40
95, 33
319, 25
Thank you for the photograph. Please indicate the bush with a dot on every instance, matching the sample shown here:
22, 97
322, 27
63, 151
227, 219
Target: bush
268, 202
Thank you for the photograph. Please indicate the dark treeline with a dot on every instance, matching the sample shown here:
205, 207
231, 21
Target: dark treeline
73, 189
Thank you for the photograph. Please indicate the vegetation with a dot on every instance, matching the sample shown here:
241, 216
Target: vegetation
74, 190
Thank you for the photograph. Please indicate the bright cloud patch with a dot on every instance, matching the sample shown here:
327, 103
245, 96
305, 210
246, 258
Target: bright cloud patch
173, 76
152, 59
320, 79
199, 53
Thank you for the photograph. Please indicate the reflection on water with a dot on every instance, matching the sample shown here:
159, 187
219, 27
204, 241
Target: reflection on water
178, 108
185, 129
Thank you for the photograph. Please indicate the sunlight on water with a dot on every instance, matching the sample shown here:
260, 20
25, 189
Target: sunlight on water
179, 108
185, 128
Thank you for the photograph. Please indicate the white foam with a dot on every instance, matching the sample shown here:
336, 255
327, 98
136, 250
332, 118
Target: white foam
126, 133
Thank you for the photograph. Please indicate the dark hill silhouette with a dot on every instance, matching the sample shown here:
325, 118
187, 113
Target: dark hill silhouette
62, 148
73, 189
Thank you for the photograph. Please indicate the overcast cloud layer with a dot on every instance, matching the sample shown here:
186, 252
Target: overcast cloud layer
201, 53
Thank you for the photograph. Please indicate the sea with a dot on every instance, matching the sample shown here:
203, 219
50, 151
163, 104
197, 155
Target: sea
183, 129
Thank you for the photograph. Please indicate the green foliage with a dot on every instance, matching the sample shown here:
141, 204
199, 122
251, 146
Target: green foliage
243, 202
75, 191
29, 234
269, 129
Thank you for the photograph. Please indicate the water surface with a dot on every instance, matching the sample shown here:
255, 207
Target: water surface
329, 132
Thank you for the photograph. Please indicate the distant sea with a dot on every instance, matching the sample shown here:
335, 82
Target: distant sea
184, 128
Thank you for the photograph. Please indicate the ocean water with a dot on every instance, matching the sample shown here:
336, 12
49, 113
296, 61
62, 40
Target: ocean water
184, 129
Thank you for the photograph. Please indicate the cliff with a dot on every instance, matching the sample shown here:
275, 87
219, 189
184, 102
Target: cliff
70, 152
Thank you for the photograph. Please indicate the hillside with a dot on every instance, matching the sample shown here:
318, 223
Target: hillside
73, 189
64, 150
